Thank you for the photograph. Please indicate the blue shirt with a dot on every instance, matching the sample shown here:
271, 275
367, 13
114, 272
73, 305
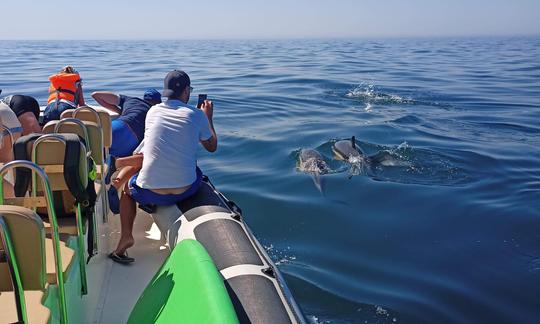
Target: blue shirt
133, 112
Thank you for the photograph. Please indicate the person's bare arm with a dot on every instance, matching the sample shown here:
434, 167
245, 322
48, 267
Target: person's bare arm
134, 160
109, 100
210, 144
81, 98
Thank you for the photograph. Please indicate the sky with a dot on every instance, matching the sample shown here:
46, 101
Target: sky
261, 19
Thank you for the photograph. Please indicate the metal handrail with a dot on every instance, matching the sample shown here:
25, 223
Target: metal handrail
79, 123
78, 213
52, 220
13, 267
104, 198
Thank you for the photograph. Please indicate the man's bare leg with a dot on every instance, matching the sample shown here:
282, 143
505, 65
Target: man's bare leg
128, 166
128, 211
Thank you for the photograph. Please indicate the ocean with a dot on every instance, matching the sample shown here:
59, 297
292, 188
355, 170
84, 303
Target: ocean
447, 232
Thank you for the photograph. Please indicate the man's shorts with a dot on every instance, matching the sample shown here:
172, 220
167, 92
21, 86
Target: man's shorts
124, 141
148, 197
22, 104
54, 110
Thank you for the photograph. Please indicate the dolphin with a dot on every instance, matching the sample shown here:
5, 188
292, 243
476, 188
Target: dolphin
312, 162
347, 150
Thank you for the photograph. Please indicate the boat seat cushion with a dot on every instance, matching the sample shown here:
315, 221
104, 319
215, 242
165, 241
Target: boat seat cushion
187, 289
68, 256
66, 225
36, 312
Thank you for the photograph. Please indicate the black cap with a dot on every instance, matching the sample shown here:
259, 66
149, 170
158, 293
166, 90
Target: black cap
175, 82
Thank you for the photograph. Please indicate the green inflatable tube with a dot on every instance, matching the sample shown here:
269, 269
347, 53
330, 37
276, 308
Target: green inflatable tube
186, 289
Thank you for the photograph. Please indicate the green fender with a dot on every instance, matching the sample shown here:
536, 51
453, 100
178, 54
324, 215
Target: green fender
186, 289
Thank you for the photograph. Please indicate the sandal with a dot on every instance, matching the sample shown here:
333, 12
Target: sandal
121, 258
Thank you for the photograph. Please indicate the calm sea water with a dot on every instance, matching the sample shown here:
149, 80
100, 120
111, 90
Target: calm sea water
450, 234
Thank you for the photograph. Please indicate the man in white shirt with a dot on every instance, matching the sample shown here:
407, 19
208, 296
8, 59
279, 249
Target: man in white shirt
169, 170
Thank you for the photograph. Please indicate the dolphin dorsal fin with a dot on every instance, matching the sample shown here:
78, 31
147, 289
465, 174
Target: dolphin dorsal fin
353, 141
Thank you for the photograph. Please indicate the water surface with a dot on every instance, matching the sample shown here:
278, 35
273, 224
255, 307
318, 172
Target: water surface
450, 236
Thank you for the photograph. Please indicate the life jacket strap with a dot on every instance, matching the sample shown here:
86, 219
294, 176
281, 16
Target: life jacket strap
62, 90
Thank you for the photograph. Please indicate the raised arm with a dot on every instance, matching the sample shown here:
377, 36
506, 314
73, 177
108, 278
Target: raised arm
210, 144
109, 100
81, 98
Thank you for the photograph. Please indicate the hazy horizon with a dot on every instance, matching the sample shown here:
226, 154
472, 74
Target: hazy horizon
257, 19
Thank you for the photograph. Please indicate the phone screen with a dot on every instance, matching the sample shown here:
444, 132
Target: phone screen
202, 98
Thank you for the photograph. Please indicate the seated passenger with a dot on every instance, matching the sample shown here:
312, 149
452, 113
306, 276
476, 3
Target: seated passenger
169, 170
26, 109
128, 128
11, 130
10, 126
65, 92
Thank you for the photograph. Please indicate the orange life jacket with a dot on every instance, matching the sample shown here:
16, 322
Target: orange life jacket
64, 86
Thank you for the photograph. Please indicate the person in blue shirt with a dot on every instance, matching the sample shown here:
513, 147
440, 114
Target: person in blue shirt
128, 128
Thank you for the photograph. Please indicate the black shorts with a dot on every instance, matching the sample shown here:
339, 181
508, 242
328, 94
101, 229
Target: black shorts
21, 104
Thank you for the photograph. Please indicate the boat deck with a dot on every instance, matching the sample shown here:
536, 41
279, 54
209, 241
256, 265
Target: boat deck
113, 288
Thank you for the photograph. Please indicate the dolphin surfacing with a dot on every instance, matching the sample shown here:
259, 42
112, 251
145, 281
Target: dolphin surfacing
347, 150
311, 161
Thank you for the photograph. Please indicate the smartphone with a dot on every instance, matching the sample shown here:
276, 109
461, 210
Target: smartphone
202, 98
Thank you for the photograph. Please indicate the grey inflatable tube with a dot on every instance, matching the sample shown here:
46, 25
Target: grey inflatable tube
255, 285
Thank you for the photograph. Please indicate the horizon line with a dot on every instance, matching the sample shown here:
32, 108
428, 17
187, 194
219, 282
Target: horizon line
533, 34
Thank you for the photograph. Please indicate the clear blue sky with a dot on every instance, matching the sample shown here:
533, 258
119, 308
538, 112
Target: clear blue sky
213, 19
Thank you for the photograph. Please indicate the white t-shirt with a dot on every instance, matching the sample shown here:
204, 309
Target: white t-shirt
9, 119
171, 136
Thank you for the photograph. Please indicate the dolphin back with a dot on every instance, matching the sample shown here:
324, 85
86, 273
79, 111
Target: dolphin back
344, 150
307, 154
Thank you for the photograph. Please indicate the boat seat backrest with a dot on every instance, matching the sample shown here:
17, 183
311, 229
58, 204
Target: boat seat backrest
68, 113
52, 152
94, 135
28, 237
105, 121
49, 127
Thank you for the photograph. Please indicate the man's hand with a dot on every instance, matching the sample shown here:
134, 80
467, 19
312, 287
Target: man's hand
208, 108
211, 144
